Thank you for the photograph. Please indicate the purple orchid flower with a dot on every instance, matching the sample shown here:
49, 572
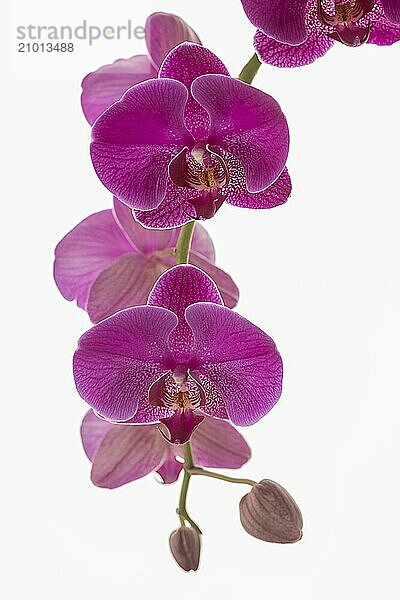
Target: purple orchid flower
121, 454
109, 262
175, 148
179, 358
296, 33
105, 86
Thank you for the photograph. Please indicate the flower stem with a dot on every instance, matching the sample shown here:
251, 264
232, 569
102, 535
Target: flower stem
250, 70
181, 510
183, 244
196, 471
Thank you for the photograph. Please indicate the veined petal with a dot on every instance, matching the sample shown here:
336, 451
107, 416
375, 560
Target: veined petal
185, 63
202, 243
247, 123
224, 282
217, 444
239, 359
275, 195
392, 10
176, 290
105, 86
163, 32
144, 240
118, 359
93, 432
134, 141
89, 248
127, 282
384, 33
127, 453
283, 20
279, 54
174, 210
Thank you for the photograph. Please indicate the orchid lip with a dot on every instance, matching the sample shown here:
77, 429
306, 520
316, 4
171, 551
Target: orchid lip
347, 15
182, 393
178, 390
203, 170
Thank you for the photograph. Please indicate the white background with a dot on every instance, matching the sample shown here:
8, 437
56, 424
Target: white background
319, 274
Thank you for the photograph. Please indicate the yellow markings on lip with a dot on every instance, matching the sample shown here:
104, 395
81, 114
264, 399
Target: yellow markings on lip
207, 179
343, 12
181, 400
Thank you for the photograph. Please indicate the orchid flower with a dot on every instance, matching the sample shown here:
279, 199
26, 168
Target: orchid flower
109, 262
180, 358
296, 33
105, 86
176, 147
121, 454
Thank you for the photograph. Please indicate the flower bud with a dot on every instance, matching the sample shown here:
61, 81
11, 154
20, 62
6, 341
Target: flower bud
185, 547
269, 513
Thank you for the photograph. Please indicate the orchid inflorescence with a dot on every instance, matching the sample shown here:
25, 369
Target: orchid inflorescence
169, 366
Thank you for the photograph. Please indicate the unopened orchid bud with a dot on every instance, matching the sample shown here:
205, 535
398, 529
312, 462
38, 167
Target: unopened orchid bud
269, 513
185, 547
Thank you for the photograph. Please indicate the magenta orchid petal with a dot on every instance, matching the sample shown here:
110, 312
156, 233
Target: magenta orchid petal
176, 290
224, 282
275, 195
392, 10
127, 282
247, 123
384, 33
170, 470
282, 20
174, 210
239, 359
89, 248
118, 359
202, 243
284, 55
126, 454
181, 425
218, 445
93, 432
185, 63
144, 240
132, 160
163, 32
105, 86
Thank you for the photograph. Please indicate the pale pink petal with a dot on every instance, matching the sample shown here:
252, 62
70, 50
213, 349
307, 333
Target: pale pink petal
127, 282
224, 282
127, 453
89, 248
93, 432
105, 86
215, 443
144, 240
164, 31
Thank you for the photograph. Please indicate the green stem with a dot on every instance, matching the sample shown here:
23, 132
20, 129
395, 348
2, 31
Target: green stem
184, 242
182, 511
196, 471
250, 70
